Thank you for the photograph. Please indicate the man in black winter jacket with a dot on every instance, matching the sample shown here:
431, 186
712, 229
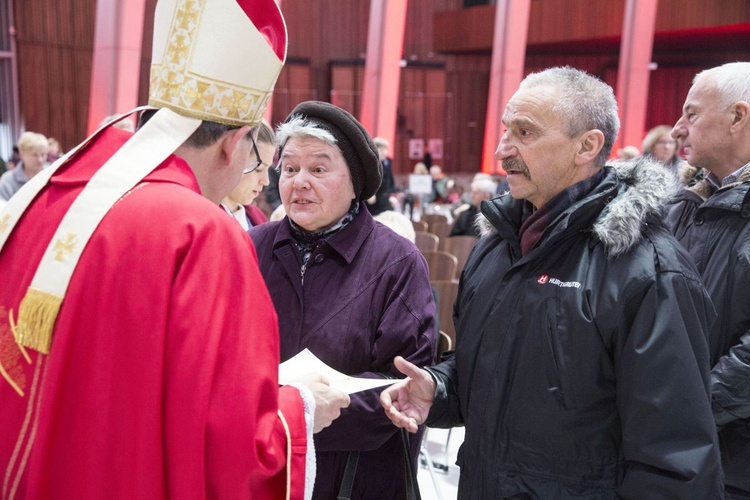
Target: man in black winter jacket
581, 367
712, 220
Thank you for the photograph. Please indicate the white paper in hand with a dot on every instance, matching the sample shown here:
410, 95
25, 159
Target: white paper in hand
306, 362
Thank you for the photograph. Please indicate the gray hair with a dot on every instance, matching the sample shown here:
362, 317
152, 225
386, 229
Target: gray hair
299, 127
731, 80
484, 185
584, 101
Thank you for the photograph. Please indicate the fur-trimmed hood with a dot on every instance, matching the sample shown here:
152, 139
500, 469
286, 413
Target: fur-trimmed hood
644, 187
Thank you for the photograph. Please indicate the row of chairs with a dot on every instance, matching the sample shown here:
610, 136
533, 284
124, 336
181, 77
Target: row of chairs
436, 224
446, 257
446, 292
445, 263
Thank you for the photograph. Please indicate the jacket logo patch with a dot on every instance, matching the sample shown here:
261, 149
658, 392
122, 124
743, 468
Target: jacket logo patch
543, 279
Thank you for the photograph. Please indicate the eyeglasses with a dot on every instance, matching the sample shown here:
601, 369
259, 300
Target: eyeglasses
255, 164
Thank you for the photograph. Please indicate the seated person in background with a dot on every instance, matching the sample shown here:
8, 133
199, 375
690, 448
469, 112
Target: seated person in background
54, 152
32, 149
14, 159
481, 189
238, 203
352, 291
441, 185
409, 197
399, 222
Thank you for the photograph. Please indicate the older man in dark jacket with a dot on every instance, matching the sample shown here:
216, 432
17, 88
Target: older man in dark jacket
349, 289
712, 220
581, 363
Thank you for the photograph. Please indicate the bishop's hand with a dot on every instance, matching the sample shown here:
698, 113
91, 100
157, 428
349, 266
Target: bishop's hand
328, 400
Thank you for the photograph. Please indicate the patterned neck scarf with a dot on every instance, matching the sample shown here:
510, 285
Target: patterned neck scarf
306, 241
534, 224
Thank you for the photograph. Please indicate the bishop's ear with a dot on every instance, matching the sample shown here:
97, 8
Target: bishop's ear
230, 141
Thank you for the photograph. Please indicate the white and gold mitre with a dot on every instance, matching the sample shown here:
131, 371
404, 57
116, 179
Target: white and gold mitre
217, 60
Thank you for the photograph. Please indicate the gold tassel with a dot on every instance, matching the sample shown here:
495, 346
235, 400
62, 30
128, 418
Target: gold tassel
36, 319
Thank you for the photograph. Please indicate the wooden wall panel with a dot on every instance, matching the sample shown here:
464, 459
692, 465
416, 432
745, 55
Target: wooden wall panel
55, 43
681, 14
451, 33
324, 30
418, 35
554, 20
346, 87
293, 86
568, 20
469, 101
424, 112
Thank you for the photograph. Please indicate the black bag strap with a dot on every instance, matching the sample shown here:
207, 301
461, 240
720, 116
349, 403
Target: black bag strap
412, 488
347, 483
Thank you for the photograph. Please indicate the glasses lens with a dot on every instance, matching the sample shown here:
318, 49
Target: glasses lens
258, 162
252, 167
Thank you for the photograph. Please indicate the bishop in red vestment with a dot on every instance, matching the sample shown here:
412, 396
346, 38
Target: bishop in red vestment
161, 381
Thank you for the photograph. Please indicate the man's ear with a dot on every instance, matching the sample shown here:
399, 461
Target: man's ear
740, 115
590, 143
230, 141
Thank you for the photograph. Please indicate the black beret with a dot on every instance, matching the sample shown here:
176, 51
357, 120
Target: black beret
355, 144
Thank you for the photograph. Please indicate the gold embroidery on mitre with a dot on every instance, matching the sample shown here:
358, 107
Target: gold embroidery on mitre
180, 50
197, 96
4, 223
64, 247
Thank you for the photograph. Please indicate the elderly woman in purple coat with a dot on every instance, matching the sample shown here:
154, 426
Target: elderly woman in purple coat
350, 290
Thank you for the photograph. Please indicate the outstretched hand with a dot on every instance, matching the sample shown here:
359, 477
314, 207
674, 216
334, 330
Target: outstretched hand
408, 403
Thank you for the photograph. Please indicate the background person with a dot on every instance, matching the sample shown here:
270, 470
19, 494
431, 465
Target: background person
481, 190
32, 150
349, 289
238, 203
382, 199
711, 220
54, 152
581, 366
662, 147
441, 186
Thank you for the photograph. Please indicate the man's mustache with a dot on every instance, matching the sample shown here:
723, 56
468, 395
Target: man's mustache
516, 165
